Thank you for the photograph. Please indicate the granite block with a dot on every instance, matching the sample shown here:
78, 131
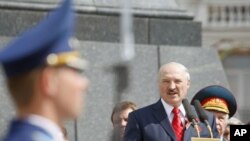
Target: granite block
174, 32
95, 124
13, 22
106, 28
7, 110
4, 40
203, 63
89, 27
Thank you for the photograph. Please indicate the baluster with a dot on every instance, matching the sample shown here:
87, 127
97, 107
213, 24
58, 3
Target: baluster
231, 16
223, 15
239, 16
247, 14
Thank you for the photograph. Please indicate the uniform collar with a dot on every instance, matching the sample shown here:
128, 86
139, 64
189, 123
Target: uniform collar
47, 125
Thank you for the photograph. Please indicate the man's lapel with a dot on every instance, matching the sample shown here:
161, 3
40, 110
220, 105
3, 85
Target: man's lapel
162, 117
188, 133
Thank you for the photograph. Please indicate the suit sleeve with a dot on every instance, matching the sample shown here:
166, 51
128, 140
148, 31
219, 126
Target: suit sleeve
132, 131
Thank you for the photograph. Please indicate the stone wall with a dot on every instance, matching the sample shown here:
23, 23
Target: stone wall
160, 37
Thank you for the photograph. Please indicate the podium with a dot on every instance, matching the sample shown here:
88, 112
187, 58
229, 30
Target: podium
205, 139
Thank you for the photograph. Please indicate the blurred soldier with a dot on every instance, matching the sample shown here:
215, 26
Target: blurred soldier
220, 101
119, 116
44, 77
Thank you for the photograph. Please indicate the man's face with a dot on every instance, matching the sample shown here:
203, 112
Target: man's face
120, 120
221, 121
173, 84
71, 85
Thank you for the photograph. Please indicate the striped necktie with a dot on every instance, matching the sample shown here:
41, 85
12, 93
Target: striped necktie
177, 125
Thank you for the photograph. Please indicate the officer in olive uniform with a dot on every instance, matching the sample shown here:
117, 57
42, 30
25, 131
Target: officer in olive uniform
44, 77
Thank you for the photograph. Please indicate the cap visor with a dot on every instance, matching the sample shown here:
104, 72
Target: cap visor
78, 63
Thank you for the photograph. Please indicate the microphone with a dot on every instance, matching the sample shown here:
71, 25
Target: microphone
191, 116
202, 115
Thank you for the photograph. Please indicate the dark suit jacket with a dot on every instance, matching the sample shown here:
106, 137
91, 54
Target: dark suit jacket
23, 131
151, 123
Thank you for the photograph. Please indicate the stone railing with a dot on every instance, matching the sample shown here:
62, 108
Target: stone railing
224, 13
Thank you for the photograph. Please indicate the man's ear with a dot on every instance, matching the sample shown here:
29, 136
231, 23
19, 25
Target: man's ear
188, 83
48, 81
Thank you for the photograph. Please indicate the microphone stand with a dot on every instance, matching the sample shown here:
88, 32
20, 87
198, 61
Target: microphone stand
196, 127
202, 115
191, 116
209, 129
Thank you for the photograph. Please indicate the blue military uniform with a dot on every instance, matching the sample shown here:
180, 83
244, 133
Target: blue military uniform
49, 43
22, 130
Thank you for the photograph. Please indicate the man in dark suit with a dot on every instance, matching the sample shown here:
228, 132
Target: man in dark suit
166, 119
44, 77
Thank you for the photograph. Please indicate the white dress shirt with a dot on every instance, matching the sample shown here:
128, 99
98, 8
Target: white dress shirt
168, 109
46, 125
